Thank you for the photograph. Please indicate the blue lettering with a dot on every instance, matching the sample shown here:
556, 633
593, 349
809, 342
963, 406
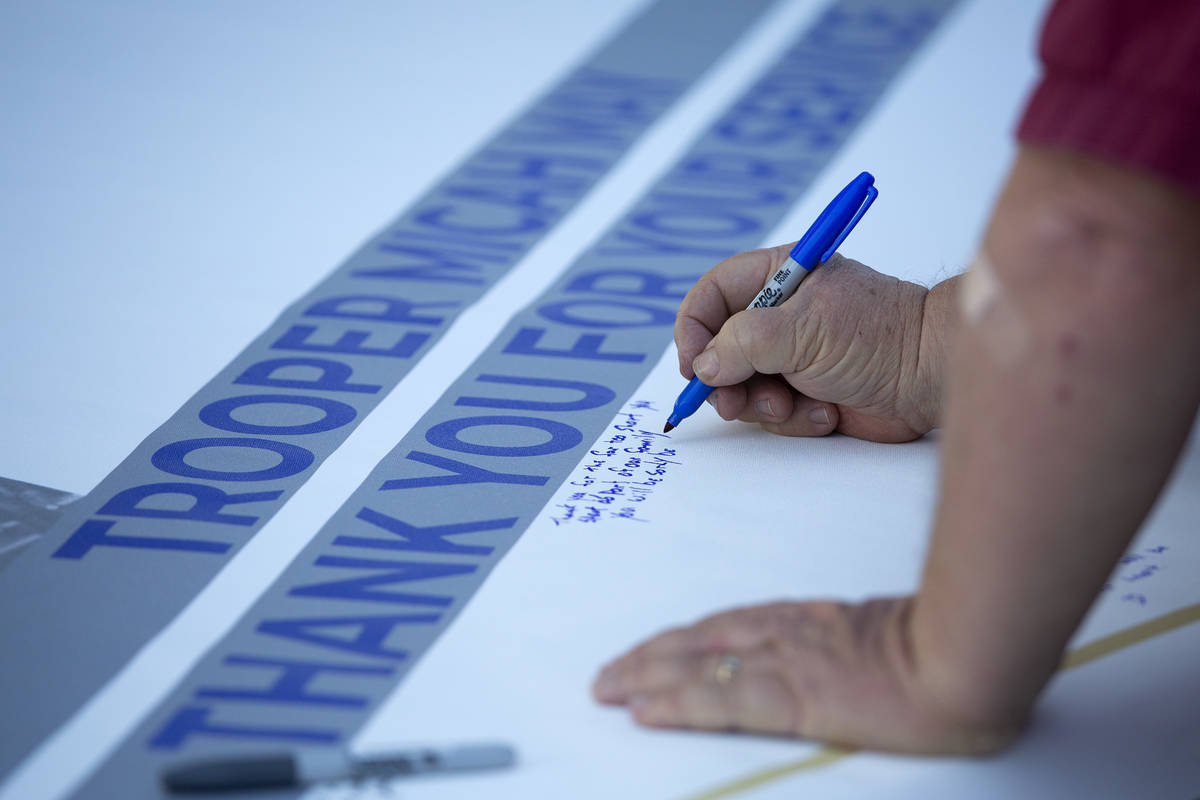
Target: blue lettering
219, 414
431, 539
377, 307
350, 342
193, 720
440, 263
586, 346
696, 223
562, 436
292, 459
522, 198
370, 639
291, 685
594, 395
635, 282
637, 315
570, 127
731, 168
333, 375
546, 170
394, 572
209, 501
94, 533
761, 119
811, 109
461, 473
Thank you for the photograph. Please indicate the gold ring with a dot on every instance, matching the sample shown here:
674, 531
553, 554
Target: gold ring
727, 668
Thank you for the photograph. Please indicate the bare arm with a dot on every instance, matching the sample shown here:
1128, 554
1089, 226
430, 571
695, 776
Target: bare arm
1074, 376
1073, 384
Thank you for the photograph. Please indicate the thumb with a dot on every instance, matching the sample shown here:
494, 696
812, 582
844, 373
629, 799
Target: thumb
756, 340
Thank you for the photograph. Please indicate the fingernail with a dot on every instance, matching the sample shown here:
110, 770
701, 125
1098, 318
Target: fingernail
706, 365
819, 416
764, 407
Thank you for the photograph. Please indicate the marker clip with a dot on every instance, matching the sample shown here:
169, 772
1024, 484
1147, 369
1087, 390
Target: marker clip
872, 193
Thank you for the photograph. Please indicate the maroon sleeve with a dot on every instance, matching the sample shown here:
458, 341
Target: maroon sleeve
1121, 81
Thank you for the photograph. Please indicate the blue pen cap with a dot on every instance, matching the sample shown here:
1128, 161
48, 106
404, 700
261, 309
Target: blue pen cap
836, 222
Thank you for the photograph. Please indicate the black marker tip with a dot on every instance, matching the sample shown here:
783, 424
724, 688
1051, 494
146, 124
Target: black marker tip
668, 428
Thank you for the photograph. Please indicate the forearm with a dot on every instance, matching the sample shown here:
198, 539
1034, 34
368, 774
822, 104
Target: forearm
1071, 387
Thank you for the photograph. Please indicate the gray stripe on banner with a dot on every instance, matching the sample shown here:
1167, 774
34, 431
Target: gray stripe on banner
140, 546
384, 577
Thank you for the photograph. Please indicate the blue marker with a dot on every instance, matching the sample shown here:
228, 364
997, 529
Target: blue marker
818, 245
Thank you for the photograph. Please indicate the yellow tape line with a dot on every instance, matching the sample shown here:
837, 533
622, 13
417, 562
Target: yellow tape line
823, 756
1131, 636
1088, 653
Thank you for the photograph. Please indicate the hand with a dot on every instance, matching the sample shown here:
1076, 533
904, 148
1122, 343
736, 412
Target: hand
846, 352
834, 672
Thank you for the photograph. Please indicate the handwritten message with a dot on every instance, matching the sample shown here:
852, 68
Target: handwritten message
1135, 568
620, 474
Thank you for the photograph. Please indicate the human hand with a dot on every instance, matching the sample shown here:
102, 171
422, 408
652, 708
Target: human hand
845, 352
834, 672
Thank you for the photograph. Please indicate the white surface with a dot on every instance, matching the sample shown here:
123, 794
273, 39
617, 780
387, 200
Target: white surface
108, 717
177, 174
518, 662
570, 597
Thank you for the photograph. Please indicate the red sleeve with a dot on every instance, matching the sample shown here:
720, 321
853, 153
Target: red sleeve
1121, 81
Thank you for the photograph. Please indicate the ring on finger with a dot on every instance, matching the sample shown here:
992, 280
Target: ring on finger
727, 668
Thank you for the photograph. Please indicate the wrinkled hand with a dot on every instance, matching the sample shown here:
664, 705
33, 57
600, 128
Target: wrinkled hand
843, 353
834, 672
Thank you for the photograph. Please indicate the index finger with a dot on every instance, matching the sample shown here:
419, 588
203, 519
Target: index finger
723, 291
